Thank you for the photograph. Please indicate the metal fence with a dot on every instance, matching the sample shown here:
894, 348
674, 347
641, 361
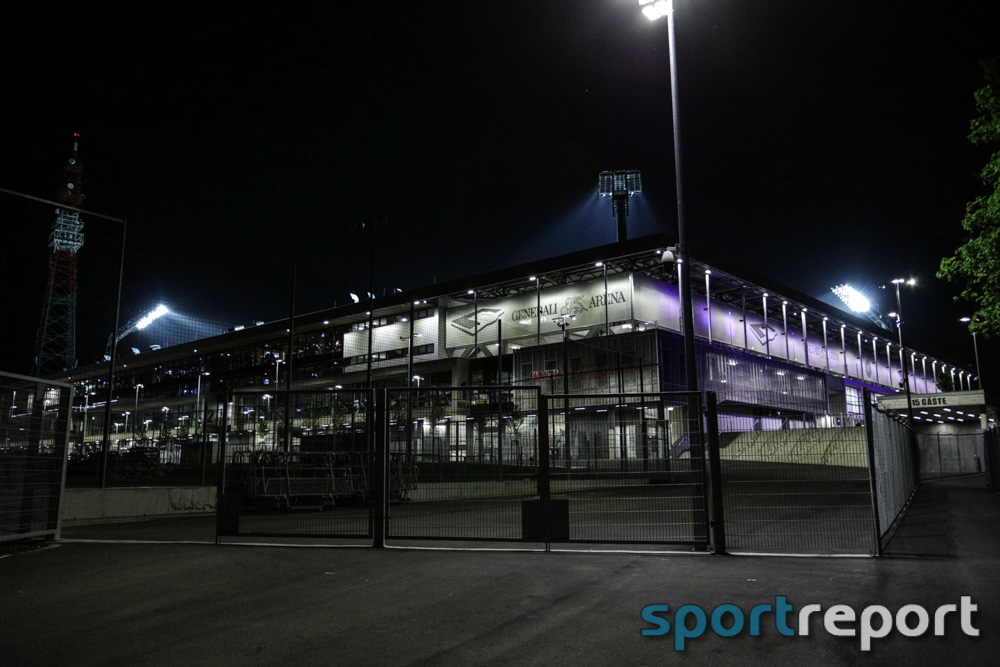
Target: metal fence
34, 431
893, 464
296, 464
630, 467
462, 461
797, 490
465, 464
509, 464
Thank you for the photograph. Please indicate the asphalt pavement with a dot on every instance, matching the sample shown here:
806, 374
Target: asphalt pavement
162, 592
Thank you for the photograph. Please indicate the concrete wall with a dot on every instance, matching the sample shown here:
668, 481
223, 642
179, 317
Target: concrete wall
96, 504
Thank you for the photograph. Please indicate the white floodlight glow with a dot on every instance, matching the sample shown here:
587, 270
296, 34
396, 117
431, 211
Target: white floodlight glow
654, 9
854, 299
152, 315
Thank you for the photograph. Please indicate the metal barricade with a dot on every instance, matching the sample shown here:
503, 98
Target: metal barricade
34, 432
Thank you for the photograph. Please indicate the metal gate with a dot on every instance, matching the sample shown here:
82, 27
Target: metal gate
798, 490
297, 464
508, 464
34, 432
465, 464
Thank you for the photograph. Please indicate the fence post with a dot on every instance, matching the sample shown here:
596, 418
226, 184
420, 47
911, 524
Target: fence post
717, 522
699, 516
544, 485
380, 471
222, 511
872, 477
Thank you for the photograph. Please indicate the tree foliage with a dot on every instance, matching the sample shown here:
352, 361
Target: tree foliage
976, 264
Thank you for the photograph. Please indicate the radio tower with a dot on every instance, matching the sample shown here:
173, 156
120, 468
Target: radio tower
55, 347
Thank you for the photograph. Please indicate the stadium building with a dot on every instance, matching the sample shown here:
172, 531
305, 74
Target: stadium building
605, 320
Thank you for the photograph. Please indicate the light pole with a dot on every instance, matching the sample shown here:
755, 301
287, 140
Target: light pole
135, 410
409, 356
125, 428
198, 407
975, 349
655, 9
562, 321
899, 328
163, 425
409, 401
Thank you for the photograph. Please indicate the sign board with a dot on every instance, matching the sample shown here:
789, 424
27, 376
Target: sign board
950, 399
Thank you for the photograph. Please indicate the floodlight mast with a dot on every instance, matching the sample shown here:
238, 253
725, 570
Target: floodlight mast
135, 324
619, 185
859, 303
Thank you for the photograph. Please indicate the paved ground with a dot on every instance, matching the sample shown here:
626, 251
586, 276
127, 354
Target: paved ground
106, 602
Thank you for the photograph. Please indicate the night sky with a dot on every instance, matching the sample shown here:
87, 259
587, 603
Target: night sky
823, 142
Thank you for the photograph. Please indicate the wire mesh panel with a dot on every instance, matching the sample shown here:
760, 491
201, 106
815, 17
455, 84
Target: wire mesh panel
462, 461
895, 477
297, 464
796, 490
631, 467
34, 419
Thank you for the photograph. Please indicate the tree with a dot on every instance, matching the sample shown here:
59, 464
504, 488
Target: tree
976, 264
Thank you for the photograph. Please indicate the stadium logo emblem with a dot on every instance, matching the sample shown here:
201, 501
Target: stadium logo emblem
764, 332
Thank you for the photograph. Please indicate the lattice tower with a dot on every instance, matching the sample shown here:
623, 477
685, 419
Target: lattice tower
55, 346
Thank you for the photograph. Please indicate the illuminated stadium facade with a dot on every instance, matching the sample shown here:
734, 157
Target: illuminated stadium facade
605, 320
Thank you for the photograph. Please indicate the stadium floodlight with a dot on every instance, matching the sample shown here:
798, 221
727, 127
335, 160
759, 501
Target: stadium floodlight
854, 299
151, 316
622, 182
619, 185
134, 325
655, 9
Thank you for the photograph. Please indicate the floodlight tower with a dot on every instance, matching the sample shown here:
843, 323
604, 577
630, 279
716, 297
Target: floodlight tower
859, 303
135, 324
55, 345
619, 185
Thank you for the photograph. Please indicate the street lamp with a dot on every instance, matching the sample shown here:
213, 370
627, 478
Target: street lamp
655, 9
409, 355
562, 321
975, 349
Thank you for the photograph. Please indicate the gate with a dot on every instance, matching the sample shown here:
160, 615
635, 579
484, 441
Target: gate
798, 490
296, 464
509, 464
465, 464
34, 432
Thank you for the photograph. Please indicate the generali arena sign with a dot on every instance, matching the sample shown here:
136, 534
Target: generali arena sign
530, 312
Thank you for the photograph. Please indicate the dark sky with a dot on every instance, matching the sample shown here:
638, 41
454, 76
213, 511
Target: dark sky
824, 142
